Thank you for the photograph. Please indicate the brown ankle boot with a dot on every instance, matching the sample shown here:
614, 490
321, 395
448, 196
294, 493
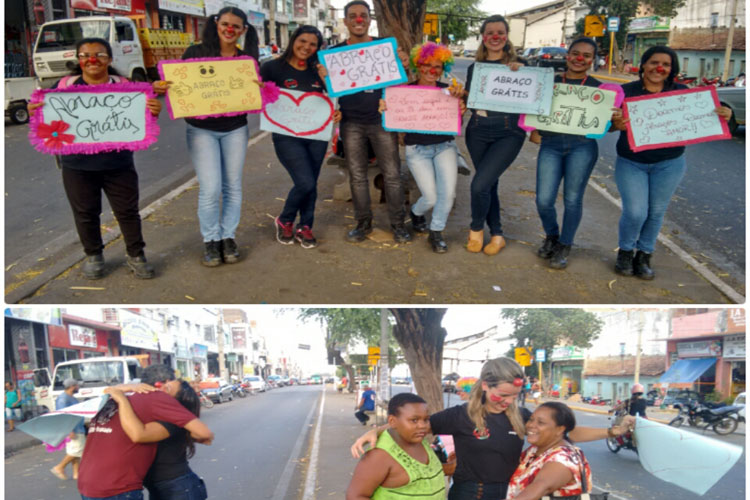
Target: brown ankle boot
476, 241
496, 244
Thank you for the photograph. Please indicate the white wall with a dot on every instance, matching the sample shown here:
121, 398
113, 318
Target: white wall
697, 14
622, 326
546, 32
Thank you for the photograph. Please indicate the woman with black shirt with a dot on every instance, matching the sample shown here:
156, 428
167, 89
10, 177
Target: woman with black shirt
217, 145
301, 157
647, 180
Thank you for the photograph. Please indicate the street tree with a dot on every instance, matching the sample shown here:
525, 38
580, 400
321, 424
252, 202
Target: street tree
402, 19
456, 17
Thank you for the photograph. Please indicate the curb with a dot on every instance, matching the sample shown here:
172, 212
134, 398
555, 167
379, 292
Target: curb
612, 78
10, 449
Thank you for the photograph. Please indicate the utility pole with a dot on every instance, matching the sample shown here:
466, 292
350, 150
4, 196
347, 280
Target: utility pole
384, 382
641, 327
220, 345
730, 41
565, 22
272, 22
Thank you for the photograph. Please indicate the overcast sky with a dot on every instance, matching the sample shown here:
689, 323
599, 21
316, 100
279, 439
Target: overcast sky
490, 6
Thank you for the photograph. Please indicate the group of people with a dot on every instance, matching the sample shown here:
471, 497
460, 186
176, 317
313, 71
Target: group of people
218, 146
488, 433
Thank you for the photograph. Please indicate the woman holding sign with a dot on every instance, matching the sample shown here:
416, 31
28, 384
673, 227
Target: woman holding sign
217, 145
302, 158
648, 179
85, 176
494, 139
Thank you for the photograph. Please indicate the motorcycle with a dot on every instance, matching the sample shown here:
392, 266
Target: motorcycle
238, 390
205, 400
715, 81
722, 420
626, 440
685, 80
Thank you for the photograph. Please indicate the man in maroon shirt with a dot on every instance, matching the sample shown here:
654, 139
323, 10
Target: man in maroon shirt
113, 466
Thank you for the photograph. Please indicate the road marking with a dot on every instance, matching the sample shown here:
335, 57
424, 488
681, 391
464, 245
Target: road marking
257, 138
312, 469
286, 475
701, 269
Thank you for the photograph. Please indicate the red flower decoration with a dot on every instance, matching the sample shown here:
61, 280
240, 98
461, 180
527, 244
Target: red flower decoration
53, 134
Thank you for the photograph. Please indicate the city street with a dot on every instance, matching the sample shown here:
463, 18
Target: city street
281, 446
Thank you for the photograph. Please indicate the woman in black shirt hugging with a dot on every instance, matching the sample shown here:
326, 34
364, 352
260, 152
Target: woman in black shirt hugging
302, 158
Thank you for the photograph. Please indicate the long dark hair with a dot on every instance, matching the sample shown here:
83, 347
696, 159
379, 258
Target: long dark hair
510, 52
188, 398
211, 32
661, 49
104, 43
301, 30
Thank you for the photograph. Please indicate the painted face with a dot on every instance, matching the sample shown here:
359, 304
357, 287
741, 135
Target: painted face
657, 68
580, 57
431, 72
230, 28
93, 59
357, 20
495, 36
412, 422
304, 47
542, 430
500, 396
171, 387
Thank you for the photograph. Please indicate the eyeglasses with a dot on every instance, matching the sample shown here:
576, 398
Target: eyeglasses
102, 56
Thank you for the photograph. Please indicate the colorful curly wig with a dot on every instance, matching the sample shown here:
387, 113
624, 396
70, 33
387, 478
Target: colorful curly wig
431, 51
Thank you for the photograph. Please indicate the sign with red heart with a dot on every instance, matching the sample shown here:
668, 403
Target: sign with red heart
300, 114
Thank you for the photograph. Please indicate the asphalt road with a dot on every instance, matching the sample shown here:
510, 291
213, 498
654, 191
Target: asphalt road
251, 456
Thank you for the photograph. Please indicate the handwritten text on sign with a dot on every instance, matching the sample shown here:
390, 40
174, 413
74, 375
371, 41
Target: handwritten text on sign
214, 86
300, 114
99, 118
577, 110
674, 119
363, 66
429, 110
495, 87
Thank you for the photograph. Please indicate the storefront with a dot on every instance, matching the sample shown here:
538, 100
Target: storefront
567, 367
181, 15
141, 335
734, 354
200, 361
258, 20
134, 9
80, 338
644, 33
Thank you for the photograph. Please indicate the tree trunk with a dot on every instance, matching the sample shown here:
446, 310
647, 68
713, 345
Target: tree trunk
402, 19
350, 383
420, 335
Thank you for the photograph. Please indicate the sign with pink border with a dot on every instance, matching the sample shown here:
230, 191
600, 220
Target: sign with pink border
421, 109
212, 86
676, 118
300, 114
92, 119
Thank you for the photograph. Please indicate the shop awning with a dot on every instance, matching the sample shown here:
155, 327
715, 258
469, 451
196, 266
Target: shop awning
686, 371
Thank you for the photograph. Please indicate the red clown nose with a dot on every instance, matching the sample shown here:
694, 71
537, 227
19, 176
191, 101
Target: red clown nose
158, 385
93, 59
230, 31
660, 69
579, 58
360, 20
433, 71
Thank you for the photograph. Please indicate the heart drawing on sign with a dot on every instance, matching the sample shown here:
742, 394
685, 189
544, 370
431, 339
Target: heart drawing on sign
307, 101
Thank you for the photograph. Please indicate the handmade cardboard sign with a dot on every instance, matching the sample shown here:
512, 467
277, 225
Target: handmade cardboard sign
578, 110
92, 119
212, 86
426, 110
300, 114
363, 66
494, 87
674, 118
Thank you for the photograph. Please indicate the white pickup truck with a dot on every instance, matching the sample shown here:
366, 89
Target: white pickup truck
94, 374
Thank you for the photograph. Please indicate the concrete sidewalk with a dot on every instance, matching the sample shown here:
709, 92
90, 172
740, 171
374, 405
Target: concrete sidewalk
376, 271
17, 440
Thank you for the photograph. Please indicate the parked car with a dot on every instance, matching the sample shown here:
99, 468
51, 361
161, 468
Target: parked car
449, 382
330, 380
264, 54
255, 383
274, 381
740, 401
217, 390
549, 57
470, 53
734, 99
528, 52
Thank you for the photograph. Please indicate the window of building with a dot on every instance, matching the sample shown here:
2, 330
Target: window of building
599, 389
208, 333
685, 61
92, 354
110, 315
714, 19
731, 67
742, 67
40, 343
62, 355
716, 65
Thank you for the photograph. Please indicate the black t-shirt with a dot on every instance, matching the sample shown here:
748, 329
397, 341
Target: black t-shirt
171, 456
490, 460
283, 74
108, 160
634, 89
411, 139
470, 72
588, 81
637, 407
360, 107
218, 123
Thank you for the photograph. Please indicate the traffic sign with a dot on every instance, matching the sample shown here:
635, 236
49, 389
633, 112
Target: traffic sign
541, 355
430, 24
594, 25
613, 24
523, 356
373, 351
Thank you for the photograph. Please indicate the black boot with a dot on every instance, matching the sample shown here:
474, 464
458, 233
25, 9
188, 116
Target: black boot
437, 242
418, 222
559, 258
229, 251
212, 254
400, 233
93, 267
548, 247
624, 264
359, 233
642, 265
140, 267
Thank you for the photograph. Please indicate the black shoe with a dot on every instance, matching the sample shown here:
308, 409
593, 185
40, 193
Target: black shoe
548, 247
624, 264
229, 251
359, 233
437, 242
212, 254
418, 222
93, 267
642, 265
559, 258
140, 267
284, 232
400, 233
305, 237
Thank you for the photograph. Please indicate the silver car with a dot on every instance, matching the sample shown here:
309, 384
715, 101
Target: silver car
734, 99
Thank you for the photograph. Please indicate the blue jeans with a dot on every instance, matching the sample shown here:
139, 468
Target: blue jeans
435, 169
493, 143
646, 190
469, 490
302, 158
128, 495
563, 157
218, 158
187, 487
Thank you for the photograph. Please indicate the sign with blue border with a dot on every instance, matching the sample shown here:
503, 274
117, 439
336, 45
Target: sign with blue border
362, 66
494, 87
613, 24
